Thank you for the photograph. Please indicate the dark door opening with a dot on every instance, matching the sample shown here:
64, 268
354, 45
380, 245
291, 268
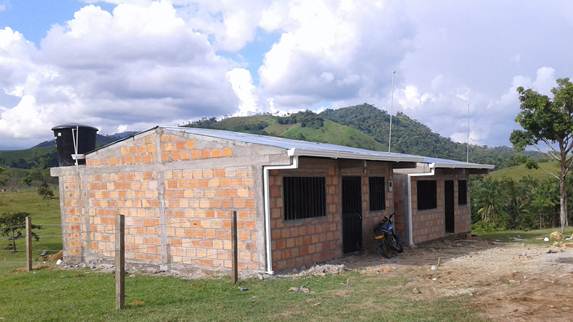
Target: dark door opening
449, 205
351, 214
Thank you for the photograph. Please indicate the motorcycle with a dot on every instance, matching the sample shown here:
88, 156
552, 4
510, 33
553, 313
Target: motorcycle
388, 241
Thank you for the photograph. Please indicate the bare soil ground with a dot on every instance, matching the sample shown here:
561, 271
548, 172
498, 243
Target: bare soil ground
504, 281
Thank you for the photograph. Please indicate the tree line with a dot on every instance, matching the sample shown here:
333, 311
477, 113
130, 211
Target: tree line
526, 203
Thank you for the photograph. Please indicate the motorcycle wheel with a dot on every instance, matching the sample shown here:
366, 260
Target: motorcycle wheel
384, 250
395, 244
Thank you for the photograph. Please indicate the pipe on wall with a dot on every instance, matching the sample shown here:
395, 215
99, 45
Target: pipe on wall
267, 204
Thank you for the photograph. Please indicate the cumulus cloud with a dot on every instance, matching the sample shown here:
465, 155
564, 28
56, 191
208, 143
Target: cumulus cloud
242, 84
147, 62
328, 50
136, 64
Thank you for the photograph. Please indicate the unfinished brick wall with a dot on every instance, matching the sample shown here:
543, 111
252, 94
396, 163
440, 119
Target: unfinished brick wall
430, 224
71, 215
199, 203
370, 218
303, 242
177, 193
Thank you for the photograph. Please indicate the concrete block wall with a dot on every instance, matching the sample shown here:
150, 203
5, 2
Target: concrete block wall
177, 192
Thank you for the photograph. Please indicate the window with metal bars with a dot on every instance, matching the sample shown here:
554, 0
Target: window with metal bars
304, 197
426, 193
462, 192
377, 193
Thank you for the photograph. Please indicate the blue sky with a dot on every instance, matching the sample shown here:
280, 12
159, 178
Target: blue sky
34, 17
133, 64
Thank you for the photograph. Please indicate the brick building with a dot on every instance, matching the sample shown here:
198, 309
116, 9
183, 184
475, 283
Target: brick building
298, 202
432, 201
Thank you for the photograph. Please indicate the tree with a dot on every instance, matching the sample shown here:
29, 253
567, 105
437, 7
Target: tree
13, 226
549, 121
27, 180
45, 192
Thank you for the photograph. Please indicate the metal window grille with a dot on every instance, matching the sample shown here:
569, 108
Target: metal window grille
426, 193
304, 197
377, 193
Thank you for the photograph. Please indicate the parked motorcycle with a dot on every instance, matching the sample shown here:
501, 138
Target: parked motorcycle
388, 241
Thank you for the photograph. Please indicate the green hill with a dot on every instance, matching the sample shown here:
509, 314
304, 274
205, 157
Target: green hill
364, 126
44, 155
519, 171
300, 126
411, 136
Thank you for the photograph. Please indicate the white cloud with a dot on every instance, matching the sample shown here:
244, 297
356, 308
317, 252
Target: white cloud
242, 84
328, 51
169, 61
137, 64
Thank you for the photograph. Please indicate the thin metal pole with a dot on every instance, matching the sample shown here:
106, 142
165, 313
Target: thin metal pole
468, 140
120, 262
235, 272
28, 244
391, 111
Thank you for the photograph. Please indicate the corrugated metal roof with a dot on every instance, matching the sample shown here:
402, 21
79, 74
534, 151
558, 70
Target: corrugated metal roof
303, 148
446, 163
306, 148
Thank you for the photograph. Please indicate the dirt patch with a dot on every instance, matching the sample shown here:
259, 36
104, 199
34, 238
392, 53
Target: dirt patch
504, 281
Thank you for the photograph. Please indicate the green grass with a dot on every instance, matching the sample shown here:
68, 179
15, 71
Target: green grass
88, 296
333, 133
53, 294
520, 171
45, 213
527, 236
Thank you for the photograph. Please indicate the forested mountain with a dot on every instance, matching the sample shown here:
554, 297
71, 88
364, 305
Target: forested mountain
364, 126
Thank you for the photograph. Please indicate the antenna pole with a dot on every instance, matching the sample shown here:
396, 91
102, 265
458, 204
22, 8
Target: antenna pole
391, 110
468, 140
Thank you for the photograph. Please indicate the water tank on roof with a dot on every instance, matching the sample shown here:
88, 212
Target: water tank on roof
73, 142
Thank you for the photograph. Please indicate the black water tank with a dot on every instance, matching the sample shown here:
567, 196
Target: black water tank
86, 136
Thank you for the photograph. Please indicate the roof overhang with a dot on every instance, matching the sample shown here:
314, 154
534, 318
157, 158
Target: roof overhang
438, 165
390, 157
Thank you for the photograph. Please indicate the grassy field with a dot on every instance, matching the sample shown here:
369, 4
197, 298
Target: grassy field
53, 294
45, 213
530, 236
520, 171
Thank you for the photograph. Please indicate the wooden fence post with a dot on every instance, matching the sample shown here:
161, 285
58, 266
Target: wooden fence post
28, 244
120, 262
235, 273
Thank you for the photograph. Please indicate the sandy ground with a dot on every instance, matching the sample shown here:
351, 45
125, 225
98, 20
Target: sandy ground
504, 281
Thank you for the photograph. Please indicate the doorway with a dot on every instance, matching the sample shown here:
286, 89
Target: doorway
351, 214
449, 206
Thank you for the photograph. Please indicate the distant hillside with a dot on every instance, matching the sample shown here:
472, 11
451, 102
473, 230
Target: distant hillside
364, 126
44, 154
519, 171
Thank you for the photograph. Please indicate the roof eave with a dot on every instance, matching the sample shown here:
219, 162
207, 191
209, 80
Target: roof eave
347, 155
462, 166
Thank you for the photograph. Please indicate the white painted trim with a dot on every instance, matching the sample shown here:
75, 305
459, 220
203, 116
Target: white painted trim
462, 166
